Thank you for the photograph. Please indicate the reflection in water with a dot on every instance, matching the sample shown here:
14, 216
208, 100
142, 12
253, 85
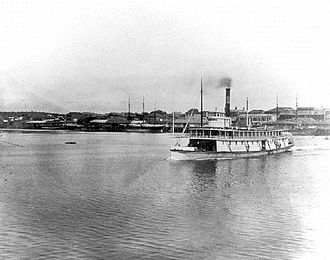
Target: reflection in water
236, 198
203, 176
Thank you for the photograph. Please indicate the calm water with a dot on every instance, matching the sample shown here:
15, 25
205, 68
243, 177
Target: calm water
115, 195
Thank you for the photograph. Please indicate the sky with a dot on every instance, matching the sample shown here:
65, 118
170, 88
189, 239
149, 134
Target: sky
62, 56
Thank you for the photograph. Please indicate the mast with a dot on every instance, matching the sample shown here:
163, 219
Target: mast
173, 113
173, 116
247, 112
173, 122
129, 108
277, 107
155, 113
201, 102
143, 107
296, 109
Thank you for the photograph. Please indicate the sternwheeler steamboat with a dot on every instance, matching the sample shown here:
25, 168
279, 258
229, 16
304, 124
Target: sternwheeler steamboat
219, 140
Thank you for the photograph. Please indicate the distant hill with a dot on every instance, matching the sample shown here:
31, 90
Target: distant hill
26, 114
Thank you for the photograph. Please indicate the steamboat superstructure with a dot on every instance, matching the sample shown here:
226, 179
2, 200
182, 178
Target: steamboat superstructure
220, 140
216, 143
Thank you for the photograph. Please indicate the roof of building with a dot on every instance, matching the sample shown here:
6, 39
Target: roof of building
305, 108
256, 115
37, 122
99, 121
193, 120
279, 109
111, 120
257, 111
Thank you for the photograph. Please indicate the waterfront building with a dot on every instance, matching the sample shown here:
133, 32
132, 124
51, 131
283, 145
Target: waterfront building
255, 119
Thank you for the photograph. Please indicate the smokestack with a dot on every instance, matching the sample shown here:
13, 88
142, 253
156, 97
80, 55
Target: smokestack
226, 83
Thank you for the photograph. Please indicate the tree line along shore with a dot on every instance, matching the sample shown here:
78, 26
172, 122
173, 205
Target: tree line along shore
303, 120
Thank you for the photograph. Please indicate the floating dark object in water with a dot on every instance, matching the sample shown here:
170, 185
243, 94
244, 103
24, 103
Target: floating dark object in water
70, 142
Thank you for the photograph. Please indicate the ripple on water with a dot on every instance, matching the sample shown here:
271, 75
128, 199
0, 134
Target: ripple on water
114, 195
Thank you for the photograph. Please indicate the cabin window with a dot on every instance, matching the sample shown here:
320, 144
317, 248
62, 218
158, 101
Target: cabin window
204, 145
214, 133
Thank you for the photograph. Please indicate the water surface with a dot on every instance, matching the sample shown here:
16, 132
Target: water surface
116, 195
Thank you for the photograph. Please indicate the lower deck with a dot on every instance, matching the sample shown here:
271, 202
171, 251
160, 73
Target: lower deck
231, 145
208, 155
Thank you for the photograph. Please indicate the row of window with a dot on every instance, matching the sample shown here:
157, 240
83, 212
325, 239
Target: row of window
239, 142
234, 134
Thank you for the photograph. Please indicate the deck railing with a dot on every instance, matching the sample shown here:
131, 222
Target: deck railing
240, 137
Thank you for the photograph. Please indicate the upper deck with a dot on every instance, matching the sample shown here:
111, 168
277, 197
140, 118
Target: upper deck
233, 133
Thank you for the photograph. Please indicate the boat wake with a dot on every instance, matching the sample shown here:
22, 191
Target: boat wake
311, 148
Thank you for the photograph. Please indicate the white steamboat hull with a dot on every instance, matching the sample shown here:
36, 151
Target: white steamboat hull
204, 155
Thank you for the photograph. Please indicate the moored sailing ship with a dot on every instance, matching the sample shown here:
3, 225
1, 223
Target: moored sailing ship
143, 126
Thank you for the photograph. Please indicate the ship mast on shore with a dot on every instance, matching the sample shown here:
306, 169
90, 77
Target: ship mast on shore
296, 110
201, 101
247, 112
276, 107
129, 108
